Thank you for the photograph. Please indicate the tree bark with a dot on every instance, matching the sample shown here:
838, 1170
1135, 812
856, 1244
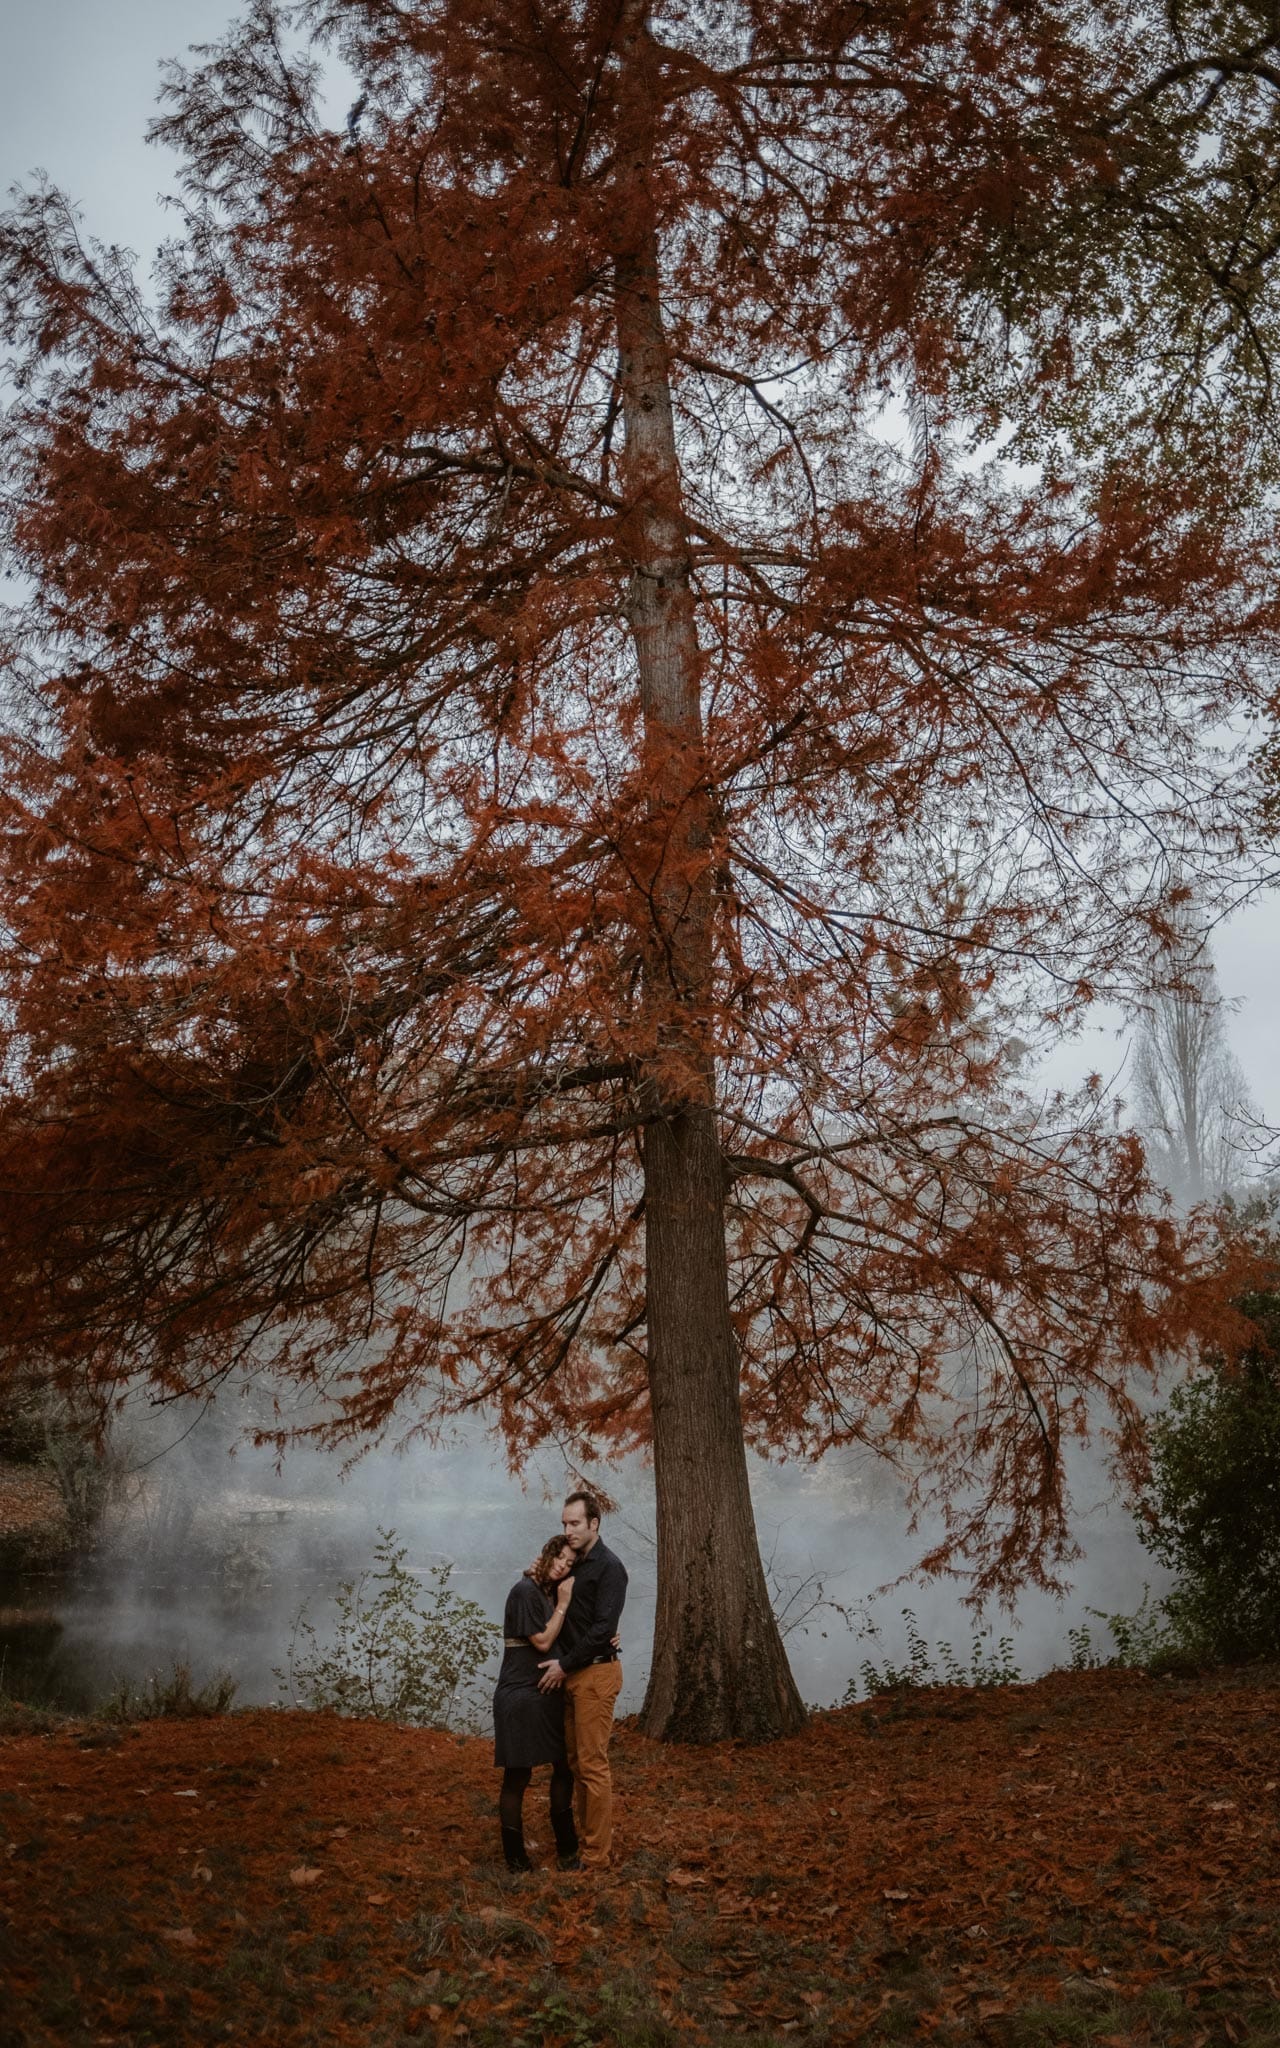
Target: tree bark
719, 1668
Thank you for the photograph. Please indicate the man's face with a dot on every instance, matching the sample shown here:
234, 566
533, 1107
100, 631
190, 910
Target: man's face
578, 1530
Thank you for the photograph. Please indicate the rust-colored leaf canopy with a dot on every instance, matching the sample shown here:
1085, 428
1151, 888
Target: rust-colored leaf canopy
331, 840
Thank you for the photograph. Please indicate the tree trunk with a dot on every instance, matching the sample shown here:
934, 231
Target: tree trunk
719, 1668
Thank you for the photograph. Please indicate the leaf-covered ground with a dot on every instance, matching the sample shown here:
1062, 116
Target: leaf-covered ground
26, 1496
1090, 1859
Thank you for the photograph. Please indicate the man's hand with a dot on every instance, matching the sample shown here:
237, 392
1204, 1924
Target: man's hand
552, 1675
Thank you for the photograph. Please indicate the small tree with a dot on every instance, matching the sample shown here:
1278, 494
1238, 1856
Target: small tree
61, 1430
1212, 1509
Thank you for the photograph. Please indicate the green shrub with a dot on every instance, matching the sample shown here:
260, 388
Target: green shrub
391, 1659
1212, 1510
1147, 1640
923, 1668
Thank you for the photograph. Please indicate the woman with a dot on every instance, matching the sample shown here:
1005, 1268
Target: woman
528, 1725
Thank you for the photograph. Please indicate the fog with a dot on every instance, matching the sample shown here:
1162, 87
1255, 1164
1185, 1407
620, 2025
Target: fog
210, 1551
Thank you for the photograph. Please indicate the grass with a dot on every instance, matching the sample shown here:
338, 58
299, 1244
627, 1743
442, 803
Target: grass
169, 1696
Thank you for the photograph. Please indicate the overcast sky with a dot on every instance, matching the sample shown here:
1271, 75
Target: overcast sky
77, 91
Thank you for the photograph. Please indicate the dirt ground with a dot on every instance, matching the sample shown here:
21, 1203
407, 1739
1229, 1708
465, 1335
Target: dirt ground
1093, 1858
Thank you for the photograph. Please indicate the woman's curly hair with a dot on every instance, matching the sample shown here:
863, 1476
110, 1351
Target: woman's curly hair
540, 1570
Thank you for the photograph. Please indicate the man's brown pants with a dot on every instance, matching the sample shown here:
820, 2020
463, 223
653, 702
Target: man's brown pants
589, 1696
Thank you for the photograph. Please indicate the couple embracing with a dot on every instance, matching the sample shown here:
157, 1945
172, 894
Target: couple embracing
559, 1681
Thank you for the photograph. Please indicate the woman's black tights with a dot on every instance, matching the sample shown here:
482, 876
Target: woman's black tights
511, 1797
561, 1795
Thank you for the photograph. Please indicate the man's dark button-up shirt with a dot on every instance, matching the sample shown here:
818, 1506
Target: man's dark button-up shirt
599, 1590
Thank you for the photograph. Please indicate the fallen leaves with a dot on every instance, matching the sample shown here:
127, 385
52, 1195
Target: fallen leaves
923, 1907
29, 1500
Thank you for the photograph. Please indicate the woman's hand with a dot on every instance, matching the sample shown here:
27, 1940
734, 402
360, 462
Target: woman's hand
564, 1592
616, 1641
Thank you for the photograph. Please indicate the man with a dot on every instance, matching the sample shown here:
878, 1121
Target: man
586, 1665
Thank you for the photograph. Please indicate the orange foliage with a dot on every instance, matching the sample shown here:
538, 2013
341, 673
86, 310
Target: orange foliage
371, 905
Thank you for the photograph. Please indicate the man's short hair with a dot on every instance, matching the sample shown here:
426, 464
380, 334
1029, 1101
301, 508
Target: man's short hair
590, 1505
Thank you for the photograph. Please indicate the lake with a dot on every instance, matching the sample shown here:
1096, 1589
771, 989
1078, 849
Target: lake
212, 1560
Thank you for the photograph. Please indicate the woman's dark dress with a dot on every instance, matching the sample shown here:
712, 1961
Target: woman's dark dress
528, 1725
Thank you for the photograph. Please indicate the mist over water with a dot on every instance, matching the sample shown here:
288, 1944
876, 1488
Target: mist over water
212, 1553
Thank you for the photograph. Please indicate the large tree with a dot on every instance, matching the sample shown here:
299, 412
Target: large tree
548, 752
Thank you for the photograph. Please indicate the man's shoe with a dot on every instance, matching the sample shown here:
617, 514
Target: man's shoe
517, 1856
573, 1862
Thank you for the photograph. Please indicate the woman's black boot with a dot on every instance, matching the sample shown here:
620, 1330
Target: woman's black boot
514, 1850
566, 1841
